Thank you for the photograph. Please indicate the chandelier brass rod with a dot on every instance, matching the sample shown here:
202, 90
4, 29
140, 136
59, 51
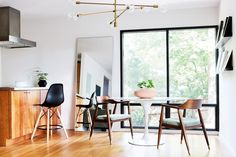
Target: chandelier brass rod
100, 12
119, 15
117, 4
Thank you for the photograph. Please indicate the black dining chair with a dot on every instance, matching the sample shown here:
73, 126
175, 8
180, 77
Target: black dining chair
49, 109
84, 108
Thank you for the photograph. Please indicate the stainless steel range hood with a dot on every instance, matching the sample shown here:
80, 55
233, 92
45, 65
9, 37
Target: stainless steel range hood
10, 29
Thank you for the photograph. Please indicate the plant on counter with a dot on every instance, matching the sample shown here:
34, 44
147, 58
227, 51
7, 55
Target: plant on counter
42, 78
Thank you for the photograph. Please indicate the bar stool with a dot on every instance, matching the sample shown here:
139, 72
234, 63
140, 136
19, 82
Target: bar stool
49, 109
83, 108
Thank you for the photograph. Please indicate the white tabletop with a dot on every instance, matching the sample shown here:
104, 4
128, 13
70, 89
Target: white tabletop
154, 99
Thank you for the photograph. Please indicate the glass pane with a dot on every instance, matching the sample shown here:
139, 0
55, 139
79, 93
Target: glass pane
208, 114
138, 116
144, 58
192, 64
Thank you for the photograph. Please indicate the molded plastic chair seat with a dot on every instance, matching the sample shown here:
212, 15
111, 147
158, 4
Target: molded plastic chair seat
49, 109
114, 116
186, 121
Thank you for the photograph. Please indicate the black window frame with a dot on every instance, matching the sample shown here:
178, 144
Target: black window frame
216, 106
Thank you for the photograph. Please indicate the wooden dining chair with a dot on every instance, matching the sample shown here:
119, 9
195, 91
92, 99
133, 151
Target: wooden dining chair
108, 118
183, 122
84, 108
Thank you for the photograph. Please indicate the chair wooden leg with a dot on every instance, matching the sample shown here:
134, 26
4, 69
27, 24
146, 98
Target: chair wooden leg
182, 135
131, 128
203, 128
77, 117
94, 119
48, 117
159, 136
63, 126
160, 127
109, 128
205, 134
184, 132
37, 123
89, 119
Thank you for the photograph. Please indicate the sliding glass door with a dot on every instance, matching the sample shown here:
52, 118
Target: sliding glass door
181, 63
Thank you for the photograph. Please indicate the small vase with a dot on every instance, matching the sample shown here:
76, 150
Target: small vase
42, 83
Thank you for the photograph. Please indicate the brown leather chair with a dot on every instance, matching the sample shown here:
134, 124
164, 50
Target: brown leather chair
108, 118
183, 122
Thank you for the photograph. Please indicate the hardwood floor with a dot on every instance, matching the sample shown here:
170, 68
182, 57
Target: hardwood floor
79, 145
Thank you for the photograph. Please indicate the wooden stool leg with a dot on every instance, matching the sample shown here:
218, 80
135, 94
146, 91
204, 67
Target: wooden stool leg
58, 113
51, 122
48, 117
37, 123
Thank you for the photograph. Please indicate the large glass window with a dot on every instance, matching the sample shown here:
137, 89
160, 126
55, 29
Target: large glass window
192, 64
181, 63
144, 58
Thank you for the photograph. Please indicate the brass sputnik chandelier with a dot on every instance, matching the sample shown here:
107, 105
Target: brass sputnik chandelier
118, 9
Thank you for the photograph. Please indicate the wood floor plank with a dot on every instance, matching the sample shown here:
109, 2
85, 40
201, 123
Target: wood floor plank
79, 145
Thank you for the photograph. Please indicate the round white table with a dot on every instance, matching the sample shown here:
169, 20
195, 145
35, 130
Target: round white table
146, 140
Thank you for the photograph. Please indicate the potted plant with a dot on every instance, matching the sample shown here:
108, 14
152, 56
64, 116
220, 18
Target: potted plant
146, 90
42, 79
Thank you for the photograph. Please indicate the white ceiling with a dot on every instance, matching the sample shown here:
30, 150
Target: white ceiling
53, 8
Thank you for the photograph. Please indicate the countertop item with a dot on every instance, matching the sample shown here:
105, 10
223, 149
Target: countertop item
23, 88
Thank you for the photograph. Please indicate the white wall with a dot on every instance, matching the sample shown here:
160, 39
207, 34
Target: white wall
97, 72
56, 46
228, 83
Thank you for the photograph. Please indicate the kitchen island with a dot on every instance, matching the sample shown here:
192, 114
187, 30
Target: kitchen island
18, 113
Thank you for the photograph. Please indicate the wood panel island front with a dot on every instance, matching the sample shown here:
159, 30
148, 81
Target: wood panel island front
18, 113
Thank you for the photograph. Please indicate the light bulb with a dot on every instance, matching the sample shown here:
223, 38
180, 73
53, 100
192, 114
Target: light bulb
75, 17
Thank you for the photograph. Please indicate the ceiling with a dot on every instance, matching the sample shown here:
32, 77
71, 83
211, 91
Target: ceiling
54, 8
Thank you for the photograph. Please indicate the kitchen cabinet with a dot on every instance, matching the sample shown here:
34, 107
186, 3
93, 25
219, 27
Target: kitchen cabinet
18, 112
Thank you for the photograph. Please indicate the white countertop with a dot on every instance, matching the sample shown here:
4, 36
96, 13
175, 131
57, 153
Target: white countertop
30, 88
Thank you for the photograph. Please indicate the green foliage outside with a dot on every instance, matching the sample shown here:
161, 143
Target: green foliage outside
191, 63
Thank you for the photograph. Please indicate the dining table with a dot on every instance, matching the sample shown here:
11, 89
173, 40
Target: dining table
146, 103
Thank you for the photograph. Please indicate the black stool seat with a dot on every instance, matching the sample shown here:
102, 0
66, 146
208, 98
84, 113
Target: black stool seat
49, 108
